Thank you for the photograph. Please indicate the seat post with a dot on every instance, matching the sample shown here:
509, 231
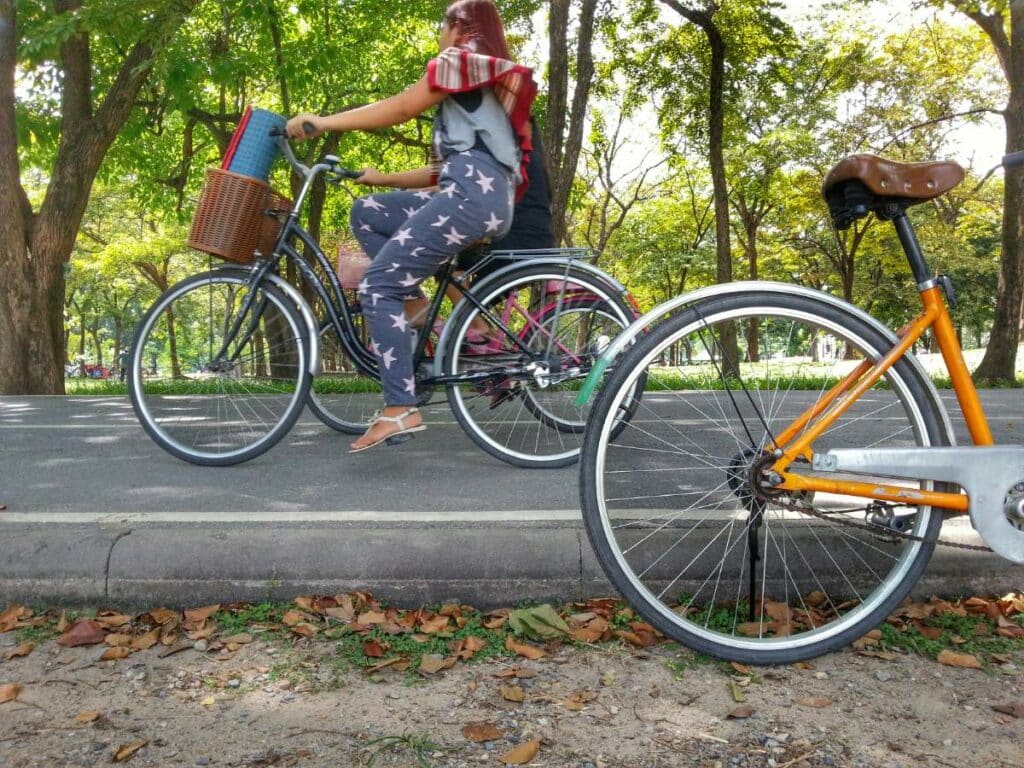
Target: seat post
905, 231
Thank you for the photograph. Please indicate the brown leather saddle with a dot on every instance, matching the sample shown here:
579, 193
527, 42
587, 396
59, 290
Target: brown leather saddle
859, 184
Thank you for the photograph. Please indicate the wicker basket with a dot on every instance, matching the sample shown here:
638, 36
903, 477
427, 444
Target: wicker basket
230, 220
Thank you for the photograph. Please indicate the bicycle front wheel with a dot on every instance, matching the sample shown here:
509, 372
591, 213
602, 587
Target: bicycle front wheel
672, 500
219, 372
517, 402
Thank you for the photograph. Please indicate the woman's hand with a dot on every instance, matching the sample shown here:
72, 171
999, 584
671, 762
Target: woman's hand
371, 177
296, 127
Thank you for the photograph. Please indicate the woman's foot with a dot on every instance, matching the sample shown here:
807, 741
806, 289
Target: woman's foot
394, 420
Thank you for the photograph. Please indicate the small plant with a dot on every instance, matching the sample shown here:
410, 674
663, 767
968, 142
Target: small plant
418, 744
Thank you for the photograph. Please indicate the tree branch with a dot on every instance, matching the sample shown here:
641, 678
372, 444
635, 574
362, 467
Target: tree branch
942, 118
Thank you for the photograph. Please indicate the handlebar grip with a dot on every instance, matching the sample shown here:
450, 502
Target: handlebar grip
345, 173
308, 128
1013, 159
277, 132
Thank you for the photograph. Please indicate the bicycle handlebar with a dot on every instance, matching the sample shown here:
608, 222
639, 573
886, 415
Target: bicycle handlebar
1013, 159
329, 163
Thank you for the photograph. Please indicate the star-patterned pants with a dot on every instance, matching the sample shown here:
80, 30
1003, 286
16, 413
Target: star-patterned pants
410, 236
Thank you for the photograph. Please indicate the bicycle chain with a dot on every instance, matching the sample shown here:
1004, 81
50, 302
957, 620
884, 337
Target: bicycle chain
875, 530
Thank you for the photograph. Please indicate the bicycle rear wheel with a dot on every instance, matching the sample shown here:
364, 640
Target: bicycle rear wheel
521, 408
216, 379
672, 501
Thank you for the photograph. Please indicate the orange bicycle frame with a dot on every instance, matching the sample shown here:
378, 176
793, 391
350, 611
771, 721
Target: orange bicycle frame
794, 442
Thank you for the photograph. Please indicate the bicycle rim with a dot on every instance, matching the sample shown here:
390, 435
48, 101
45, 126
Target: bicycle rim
668, 498
215, 383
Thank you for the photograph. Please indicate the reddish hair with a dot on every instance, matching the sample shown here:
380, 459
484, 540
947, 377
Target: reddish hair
479, 23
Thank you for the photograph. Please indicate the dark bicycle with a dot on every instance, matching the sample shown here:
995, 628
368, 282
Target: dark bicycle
265, 340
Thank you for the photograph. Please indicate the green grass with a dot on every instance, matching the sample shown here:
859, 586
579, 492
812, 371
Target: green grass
419, 744
978, 634
233, 622
39, 634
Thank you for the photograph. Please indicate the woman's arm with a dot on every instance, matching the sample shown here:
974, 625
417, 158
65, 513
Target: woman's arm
417, 178
397, 109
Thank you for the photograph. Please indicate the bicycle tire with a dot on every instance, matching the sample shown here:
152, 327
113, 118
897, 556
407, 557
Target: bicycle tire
219, 414
686, 443
496, 418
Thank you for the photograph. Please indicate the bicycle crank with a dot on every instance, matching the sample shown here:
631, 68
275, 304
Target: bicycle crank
989, 474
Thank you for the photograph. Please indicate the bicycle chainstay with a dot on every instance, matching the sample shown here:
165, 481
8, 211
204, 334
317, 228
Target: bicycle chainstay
875, 530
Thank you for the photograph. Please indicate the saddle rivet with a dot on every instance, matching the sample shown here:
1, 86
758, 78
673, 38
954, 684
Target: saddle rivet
907, 185
931, 185
885, 183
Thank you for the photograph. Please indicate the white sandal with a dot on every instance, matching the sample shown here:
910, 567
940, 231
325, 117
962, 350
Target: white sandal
403, 434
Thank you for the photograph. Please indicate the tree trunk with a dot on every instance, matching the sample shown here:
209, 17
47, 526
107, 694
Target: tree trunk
563, 137
716, 159
35, 246
998, 363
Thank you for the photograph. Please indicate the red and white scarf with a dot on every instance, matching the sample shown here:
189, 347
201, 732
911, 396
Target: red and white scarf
457, 70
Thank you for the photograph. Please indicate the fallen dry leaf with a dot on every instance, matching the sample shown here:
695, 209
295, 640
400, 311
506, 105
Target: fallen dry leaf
517, 672
436, 624
199, 615
303, 630
114, 640
88, 716
526, 650
146, 641
242, 638
740, 713
481, 732
813, 701
737, 692
513, 693
743, 669
83, 632
576, 702
1016, 708
23, 649
431, 663
293, 618
125, 751
398, 663
9, 692
374, 649
209, 701
112, 620
804, 665
117, 652
522, 754
372, 617
163, 615
954, 659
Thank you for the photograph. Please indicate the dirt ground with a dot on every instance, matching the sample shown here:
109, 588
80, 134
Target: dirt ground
297, 704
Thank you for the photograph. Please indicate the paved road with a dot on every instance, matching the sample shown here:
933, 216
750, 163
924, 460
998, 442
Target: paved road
98, 514
89, 455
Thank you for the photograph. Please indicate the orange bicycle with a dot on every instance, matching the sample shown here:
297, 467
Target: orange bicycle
784, 477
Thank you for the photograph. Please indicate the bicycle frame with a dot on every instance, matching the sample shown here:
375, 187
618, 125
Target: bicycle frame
793, 443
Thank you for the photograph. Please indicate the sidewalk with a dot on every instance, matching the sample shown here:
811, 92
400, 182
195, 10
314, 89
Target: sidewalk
97, 513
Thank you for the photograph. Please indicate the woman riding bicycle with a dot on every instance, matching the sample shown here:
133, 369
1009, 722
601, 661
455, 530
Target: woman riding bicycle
480, 140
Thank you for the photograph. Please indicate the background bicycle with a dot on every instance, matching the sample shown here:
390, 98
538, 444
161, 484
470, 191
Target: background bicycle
256, 341
766, 503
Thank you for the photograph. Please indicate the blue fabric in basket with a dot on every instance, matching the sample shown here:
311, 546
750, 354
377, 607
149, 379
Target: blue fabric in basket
256, 150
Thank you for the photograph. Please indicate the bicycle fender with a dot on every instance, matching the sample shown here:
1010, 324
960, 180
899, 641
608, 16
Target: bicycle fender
674, 305
301, 304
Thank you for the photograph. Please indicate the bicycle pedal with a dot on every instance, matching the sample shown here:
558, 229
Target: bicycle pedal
398, 439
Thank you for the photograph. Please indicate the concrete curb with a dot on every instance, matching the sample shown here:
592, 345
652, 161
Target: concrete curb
139, 563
